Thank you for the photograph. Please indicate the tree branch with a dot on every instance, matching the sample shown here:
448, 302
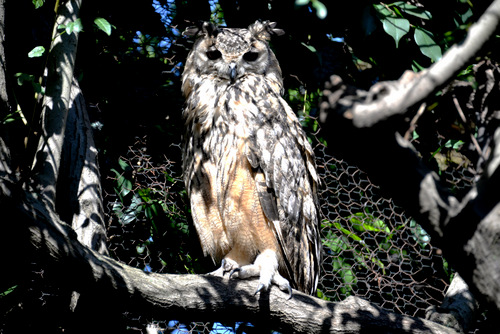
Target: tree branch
80, 179
388, 98
113, 285
464, 228
56, 102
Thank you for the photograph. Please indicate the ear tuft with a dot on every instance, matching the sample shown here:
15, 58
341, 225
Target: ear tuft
202, 28
265, 30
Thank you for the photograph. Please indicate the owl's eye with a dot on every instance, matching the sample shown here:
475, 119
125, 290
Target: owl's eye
214, 54
251, 56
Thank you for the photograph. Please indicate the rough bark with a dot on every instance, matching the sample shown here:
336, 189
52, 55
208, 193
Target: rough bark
80, 178
5, 159
458, 307
466, 229
388, 98
116, 286
56, 102
3, 77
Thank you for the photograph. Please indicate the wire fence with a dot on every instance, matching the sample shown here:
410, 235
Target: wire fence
371, 248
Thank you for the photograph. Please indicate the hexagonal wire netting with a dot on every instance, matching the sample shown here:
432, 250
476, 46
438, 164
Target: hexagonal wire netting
371, 248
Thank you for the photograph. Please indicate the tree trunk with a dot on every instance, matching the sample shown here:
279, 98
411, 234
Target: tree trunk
56, 102
80, 180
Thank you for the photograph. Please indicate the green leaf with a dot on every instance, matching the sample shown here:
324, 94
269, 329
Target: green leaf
347, 232
78, 26
310, 47
68, 27
301, 2
428, 47
416, 67
9, 290
321, 10
75, 26
382, 11
396, 27
140, 249
124, 165
466, 16
36, 52
124, 185
38, 3
413, 10
22, 77
103, 24
455, 144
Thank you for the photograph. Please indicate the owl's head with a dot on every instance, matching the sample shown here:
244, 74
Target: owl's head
231, 53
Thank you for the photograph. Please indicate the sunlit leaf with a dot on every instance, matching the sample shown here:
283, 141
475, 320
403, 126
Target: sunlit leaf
103, 24
36, 52
466, 16
382, 11
124, 186
77, 26
9, 290
321, 10
413, 10
310, 47
453, 143
123, 164
38, 3
428, 47
22, 77
396, 27
301, 2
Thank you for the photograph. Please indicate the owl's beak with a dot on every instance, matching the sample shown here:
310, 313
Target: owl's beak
232, 71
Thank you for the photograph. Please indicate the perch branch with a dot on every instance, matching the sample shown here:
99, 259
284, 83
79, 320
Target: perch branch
117, 286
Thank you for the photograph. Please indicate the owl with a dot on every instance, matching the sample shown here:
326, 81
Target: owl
248, 167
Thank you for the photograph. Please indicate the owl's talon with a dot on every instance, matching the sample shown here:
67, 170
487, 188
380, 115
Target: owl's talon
234, 271
259, 288
228, 266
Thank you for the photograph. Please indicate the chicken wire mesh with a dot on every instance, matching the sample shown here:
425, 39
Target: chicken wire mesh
371, 248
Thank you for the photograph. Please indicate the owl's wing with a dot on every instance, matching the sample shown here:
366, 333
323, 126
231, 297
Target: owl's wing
278, 149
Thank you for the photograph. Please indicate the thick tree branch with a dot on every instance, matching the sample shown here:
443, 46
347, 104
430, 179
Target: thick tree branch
458, 307
389, 98
80, 179
464, 228
116, 286
56, 101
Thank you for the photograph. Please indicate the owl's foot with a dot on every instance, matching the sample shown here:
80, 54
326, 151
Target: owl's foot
227, 266
266, 268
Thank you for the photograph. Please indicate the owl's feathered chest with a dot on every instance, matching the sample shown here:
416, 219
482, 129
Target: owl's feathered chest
216, 108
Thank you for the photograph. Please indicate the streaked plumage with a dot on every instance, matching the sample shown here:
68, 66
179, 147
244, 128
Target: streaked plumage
248, 167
